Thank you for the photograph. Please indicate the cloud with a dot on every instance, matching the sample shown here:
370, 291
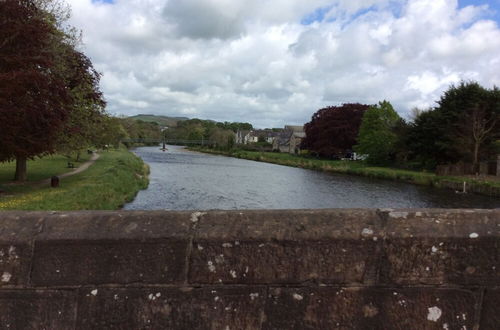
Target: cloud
276, 63
205, 19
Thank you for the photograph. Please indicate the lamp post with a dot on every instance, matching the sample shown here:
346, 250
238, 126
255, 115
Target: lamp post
164, 148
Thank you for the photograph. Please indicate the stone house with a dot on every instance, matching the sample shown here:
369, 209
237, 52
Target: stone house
281, 142
251, 137
289, 139
266, 134
240, 136
295, 141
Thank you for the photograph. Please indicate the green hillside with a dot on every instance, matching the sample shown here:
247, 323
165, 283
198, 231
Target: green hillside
161, 120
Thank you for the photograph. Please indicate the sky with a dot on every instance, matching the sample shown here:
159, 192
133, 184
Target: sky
276, 62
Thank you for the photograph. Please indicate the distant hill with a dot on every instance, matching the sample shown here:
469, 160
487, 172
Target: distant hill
161, 120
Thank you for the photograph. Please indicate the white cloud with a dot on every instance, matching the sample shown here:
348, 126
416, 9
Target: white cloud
254, 61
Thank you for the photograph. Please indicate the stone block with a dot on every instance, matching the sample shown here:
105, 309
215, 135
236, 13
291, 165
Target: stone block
458, 247
72, 263
36, 309
369, 308
180, 308
17, 232
112, 248
286, 247
490, 313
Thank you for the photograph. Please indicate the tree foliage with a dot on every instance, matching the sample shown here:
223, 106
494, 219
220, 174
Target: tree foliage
82, 128
137, 129
110, 132
463, 127
222, 134
377, 137
333, 130
34, 100
43, 81
235, 126
222, 138
470, 121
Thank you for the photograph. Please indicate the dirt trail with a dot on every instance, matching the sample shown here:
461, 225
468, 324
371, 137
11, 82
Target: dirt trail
77, 170
45, 182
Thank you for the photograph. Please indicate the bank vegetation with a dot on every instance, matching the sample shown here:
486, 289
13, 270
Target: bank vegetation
113, 180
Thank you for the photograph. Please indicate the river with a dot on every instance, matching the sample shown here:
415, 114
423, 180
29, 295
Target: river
185, 180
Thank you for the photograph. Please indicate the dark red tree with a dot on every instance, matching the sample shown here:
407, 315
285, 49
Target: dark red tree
34, 96
332, 131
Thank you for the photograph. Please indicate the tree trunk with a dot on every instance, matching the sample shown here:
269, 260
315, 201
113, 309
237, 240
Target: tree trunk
21, 174
475, 163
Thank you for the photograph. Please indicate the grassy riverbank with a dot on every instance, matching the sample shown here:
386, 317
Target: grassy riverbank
114, 179
476, 185
41, 168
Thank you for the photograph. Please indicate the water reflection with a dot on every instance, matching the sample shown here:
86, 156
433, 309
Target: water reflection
184, 180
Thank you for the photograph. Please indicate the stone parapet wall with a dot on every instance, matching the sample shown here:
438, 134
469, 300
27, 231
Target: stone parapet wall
278, 269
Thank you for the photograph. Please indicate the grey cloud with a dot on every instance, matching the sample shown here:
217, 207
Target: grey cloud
203, 19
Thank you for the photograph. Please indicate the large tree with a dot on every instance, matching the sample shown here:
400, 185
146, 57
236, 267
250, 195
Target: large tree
333, 130
377, 134
470, 121
46, 86
34, 100
463, 127
424, 141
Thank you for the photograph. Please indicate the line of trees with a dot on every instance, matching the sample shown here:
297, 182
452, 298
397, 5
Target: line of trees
464, 126
222, 134
137, 129
49, 91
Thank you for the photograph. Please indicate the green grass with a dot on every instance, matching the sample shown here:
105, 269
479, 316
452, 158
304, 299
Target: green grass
479, 185
40, 168
114, 179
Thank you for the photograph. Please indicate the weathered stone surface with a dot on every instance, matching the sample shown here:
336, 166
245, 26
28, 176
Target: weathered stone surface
37, 309
369, 308
490, 313
113, 225
326, 246
181, 308
112, 247
401, 269
286, 225
445, 247
440, 223
107, 262
17, 232
442, 261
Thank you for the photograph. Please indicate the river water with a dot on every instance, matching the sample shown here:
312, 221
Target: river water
185, 180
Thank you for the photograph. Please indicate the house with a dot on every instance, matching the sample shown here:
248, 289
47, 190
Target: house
246, 137
281, 142
266, 135
289, 139
240, 136
295, 141
251, 137
292, 128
